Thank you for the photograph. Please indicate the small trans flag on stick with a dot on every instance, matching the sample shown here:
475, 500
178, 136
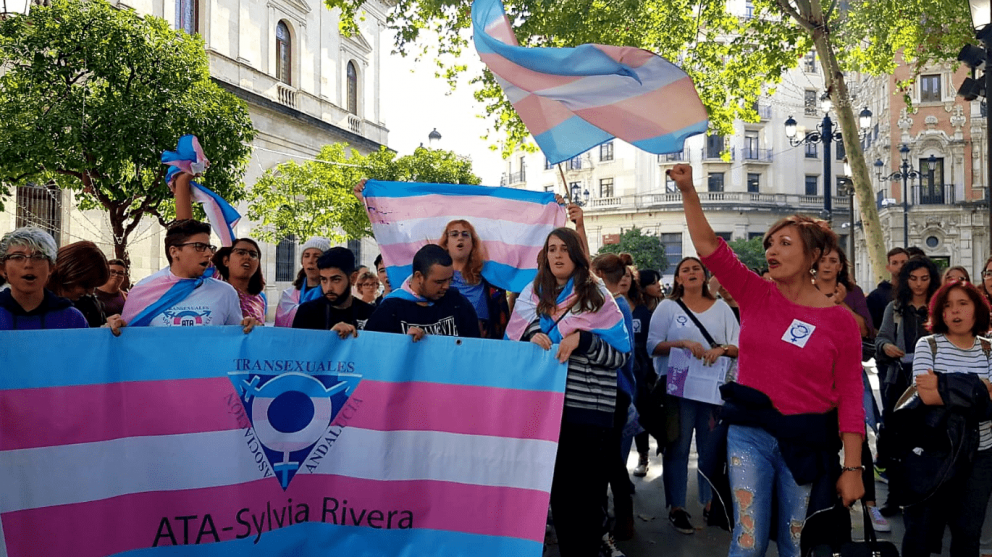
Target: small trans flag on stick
188, 157
572, 99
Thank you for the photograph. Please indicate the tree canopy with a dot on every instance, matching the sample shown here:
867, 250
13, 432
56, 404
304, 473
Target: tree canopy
732, 58
646, 250
90, 97
750, 252
315, 198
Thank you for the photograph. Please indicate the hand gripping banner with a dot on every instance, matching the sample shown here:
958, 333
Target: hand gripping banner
210, 442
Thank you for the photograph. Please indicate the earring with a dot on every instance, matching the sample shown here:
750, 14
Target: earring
812, 272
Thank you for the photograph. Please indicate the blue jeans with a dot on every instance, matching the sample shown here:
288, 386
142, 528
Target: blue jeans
757, 470
701, 417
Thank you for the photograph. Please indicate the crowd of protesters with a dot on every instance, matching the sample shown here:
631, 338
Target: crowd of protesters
795, 336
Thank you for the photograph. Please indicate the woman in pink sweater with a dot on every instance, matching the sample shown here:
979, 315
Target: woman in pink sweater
798, 391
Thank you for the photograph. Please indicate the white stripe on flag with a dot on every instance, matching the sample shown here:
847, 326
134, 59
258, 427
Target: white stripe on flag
67, 474
490, 230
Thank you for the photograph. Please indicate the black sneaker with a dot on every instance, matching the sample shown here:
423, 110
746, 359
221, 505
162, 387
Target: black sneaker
680, 521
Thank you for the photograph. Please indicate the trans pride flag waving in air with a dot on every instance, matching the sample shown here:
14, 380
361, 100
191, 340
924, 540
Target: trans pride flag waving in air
188, 157
572, 99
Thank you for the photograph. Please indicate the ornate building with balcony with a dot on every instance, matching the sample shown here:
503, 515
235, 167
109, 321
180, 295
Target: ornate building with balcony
942, 138
746, 181
306, 85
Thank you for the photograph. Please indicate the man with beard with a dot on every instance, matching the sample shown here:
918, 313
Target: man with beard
337, 310
426, 303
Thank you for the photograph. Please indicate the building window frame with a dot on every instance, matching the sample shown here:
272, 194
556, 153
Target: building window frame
931, 88
606, 187
188, 16
754, 182
351, 79
284, 53
286, 259
809, 62
812, 184
40, 206
715, 181
606, 151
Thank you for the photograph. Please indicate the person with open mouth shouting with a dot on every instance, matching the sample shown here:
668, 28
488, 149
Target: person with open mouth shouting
240, 266
469, 255
798, 394
27, 258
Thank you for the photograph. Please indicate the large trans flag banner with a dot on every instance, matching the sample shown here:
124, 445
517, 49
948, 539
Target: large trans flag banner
210, 442
511, 223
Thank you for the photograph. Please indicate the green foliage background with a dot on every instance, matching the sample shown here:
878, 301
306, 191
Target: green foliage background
647, 250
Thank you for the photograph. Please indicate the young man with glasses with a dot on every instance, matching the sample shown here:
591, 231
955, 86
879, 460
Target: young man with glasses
185, 294
27, 259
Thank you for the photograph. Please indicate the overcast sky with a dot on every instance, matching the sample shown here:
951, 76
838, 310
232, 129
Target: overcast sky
414, 102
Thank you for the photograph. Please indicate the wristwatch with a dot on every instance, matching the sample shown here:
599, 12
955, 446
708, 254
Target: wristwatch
726, 347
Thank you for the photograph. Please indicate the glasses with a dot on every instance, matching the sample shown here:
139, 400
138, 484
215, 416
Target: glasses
987, 273
114, 273
249, 253
37, 257
199, 246
463, 234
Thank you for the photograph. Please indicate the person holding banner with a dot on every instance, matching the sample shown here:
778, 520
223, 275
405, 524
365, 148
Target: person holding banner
185, 293
82, 267
239, 266
798, 391
337, 310
306, 287
695, 321
566, 305
426, 303
468, 255
27, 258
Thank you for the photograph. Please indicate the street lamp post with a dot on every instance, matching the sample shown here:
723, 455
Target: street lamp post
576, 191
981, 19
906, 173
825, 134
848, 190
433, 138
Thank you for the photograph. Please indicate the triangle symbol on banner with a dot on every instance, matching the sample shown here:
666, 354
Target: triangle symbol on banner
291, 412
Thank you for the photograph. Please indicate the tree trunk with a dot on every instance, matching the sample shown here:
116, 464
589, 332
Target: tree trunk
855, 157
117, 227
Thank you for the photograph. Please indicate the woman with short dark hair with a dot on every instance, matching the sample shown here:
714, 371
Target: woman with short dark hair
81, 269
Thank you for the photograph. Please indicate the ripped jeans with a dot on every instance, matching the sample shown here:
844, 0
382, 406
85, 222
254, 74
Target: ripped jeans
757, 470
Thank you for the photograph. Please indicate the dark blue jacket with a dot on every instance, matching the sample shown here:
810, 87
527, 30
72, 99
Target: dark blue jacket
53, 313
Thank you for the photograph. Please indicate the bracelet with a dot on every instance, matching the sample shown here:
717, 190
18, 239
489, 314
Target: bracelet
853, 468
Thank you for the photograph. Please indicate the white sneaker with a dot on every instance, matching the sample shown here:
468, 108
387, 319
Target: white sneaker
608, 548
878, 521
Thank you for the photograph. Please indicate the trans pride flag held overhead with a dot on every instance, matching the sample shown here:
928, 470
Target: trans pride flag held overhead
572, 99
279, 443
511, 223
188, 157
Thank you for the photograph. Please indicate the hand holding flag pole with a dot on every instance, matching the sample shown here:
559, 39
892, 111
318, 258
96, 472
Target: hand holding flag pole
188, 162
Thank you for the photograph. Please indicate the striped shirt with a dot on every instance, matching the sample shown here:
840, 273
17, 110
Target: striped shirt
951, 359
591, 383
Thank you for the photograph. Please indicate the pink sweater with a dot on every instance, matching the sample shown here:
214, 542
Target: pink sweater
807, 360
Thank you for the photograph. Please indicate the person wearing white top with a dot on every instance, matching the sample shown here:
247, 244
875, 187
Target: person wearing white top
671, 327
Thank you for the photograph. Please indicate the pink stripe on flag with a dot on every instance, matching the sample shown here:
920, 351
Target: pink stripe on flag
521, 257
459, 409
389, 210
628, 55
541, 114
616, 118
54, 416
524, 78
129, 522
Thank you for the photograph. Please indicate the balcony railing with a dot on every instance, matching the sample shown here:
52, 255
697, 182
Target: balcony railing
287, 95
672, 201
680, 156
751, 154
518, 177
938, 194
715, 155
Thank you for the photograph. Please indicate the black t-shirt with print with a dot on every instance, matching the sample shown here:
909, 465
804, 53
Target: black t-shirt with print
452, 315
319, 314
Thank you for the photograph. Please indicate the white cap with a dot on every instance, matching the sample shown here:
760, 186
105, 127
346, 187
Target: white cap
323, 244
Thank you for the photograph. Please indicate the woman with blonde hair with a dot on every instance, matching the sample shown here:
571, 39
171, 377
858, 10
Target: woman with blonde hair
469, 256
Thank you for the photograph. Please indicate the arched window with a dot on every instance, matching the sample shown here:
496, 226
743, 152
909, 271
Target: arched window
187, 12
284, 54
352, 88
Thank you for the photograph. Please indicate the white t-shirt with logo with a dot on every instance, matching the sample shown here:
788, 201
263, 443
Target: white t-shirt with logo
212, 303
669, 323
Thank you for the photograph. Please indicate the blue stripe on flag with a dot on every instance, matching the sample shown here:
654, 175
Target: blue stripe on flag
570, 137
376, 188
673, 142
159, 356
317, 538
616, 336
501, 273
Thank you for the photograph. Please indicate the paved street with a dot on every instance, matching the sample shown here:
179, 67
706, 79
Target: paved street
655, 537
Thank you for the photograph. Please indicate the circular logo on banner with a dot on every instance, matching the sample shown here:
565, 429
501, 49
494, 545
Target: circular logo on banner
291, 412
